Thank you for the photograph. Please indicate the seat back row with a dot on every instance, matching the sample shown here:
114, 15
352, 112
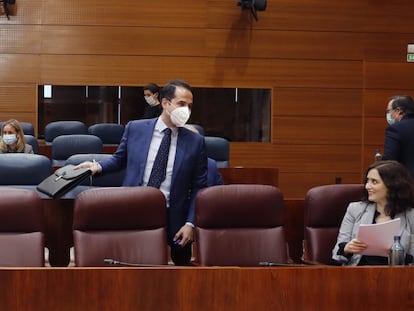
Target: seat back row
240, 225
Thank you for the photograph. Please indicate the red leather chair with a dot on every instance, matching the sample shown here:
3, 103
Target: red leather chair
21, 228
325, 207
240, 225
126, 224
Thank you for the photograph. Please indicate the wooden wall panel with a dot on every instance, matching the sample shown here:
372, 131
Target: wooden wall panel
317, 130
383, 47
297, 158
203, 42
19, 68
130, 70
374, 131
156, 13
20, 39
331, 64
234, 42
296, 185
389, 75
19, 101
107, 40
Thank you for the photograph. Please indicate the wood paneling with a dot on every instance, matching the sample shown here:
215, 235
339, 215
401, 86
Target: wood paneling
19, 101
19, 68
331, 64
317, 102
297, 158
208, 288
389, 75
296, 130
297, 184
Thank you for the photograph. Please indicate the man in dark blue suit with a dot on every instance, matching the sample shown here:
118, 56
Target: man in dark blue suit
399, 135
186, 170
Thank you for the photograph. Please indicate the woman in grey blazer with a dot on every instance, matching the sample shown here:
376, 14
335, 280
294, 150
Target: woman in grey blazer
390, 194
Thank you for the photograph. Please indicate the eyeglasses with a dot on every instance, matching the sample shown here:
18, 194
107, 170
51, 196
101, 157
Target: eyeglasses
390, 110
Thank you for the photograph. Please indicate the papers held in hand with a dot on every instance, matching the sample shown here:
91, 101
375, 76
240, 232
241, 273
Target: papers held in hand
378, 237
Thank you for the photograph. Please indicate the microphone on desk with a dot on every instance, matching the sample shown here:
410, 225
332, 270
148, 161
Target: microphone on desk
277, 264
113, 262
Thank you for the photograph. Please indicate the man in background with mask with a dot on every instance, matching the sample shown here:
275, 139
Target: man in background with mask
399, 135
186, 170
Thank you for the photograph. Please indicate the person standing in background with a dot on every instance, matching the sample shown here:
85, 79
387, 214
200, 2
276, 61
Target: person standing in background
152, 97
12, 138
399, 135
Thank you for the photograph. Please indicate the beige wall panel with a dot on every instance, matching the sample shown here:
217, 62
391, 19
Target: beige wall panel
19, 68
296, 185
297, 158
156, 13
317, 102
20, 39
389, 75
317, 130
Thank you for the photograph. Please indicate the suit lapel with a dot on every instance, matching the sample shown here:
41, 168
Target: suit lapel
182, 145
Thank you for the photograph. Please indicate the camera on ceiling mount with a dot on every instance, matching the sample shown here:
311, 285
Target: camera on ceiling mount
253, 6
6, 7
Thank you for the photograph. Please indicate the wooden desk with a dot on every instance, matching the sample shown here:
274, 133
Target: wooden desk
218, 288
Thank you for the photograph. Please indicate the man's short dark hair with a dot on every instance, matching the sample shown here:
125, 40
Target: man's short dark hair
168, 91
404, 102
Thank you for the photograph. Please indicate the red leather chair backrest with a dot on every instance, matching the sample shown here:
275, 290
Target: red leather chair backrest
325, 207
21, 228
240, 225
122, 223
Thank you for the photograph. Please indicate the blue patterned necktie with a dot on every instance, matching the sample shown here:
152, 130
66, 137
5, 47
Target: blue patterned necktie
159, 168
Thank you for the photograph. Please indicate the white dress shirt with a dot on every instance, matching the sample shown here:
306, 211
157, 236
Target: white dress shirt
157, 136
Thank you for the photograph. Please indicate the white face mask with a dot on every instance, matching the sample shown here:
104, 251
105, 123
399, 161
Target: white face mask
179, 116
9, 139
150, 101
390, 120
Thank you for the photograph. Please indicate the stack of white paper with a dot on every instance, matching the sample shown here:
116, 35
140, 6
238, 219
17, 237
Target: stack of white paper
378, 237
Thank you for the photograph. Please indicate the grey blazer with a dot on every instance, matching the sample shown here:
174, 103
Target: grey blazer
363, 213
27, 149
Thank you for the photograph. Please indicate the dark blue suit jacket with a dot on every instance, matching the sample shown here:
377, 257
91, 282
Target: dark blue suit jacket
399, 143
213, 175
189, 172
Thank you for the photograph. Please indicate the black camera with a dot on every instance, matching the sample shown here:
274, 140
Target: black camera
253, 6
6, 8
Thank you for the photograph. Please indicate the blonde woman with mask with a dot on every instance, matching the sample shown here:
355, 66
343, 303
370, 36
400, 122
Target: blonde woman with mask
12, 138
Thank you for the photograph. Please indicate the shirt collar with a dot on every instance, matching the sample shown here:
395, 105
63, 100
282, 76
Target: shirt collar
161, 126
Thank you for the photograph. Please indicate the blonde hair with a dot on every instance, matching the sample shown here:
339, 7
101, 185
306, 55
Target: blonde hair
21, 140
